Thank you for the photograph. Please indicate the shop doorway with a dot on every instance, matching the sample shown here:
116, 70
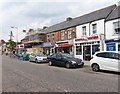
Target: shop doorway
87, 52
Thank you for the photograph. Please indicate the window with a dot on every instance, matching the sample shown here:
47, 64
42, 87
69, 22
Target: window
94, 28
104, 55
110, 55
113, 55
84, 30
78, 50
95, 48
48, 40
62, 35
69, 34
116, 26
53, 36
118, 47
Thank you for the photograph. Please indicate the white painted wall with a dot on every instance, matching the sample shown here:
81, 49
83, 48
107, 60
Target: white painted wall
100, 27
79, 30
110, 29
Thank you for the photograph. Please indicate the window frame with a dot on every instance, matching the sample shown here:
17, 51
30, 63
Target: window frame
84, 33
94, 28
62, 35
69, 34
116, 28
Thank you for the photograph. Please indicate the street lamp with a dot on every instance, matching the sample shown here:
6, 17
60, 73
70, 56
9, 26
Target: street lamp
16, 36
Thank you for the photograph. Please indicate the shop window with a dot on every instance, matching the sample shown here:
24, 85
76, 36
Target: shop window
116, 26
95, 48
94, 28
78, 50
84, 30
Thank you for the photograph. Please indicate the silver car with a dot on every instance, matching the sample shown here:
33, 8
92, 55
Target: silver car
38, 57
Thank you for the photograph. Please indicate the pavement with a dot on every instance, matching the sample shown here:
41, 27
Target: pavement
87, 63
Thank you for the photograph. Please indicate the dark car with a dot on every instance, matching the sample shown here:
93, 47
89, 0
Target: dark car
62, 59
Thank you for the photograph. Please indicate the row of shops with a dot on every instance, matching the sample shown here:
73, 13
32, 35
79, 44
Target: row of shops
82, 48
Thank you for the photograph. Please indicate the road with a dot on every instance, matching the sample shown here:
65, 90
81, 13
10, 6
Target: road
24, 76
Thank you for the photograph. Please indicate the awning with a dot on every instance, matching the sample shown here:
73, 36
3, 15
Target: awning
64, 45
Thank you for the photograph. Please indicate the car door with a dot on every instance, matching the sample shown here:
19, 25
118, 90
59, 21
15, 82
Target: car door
59, 60
114, 60
53, 59
103, 60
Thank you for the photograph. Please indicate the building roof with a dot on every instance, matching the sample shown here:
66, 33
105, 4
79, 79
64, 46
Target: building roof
93, 16
115, 14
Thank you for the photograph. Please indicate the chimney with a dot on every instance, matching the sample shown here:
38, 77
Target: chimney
68, 19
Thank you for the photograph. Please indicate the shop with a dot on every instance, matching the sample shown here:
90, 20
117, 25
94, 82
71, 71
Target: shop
112, 45
64, 46
48, 48
84, 48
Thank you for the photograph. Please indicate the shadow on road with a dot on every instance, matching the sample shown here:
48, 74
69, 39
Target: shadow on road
110, 72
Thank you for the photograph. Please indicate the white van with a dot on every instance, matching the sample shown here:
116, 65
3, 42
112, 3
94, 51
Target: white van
105, 60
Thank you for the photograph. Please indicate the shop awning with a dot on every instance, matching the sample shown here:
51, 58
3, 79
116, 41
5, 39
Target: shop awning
64, 45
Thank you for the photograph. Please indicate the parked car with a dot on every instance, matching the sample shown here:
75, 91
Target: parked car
38, 57
106, 60
62, 59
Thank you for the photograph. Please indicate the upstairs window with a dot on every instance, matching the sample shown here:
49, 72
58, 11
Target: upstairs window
69, 34
53, 36
84, 30
116, 26
62, 35
94, 28
48, 38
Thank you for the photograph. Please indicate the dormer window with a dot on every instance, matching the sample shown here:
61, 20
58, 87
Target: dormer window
116, 26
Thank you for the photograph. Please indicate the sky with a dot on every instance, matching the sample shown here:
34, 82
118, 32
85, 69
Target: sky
25, 14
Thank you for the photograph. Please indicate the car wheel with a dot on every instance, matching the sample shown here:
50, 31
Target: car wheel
95, 67
36, 61
29, 60
67, 65
50, 63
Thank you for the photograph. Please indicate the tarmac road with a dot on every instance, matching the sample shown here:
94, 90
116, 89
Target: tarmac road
24, 76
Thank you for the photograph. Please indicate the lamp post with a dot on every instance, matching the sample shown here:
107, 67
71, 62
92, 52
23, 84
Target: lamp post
16, 38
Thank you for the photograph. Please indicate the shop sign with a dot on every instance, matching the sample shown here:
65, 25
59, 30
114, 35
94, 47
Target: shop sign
92, 37
49, 44
80, 39
111, 47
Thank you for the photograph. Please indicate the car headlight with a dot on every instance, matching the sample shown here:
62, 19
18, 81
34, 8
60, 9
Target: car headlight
73, 62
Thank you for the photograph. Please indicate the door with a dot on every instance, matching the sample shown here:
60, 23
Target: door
87, 52
114, 60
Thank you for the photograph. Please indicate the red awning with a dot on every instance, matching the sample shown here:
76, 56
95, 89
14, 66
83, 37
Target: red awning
64, 45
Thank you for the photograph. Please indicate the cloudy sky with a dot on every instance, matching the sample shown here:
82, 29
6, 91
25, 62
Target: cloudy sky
38, 13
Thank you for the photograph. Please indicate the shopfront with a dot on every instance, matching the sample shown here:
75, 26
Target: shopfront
64, 46
86, 47
48, 48
112, 45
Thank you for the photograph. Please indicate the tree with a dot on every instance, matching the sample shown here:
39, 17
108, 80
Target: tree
11, 45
